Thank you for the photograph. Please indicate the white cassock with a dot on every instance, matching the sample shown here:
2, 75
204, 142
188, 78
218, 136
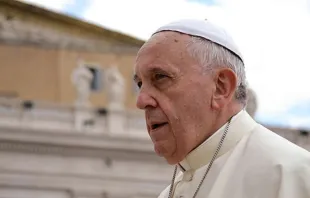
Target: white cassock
253, 162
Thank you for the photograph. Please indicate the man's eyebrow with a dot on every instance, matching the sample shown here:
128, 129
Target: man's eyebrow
157, 70
150, 71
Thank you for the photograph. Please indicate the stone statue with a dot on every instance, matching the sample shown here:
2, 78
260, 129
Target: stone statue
115, 84
81, 79
251, 106
115, 88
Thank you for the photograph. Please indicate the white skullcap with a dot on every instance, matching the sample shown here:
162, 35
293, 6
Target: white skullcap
204, 29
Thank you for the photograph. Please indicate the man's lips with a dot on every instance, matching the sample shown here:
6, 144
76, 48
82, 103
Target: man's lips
156, 126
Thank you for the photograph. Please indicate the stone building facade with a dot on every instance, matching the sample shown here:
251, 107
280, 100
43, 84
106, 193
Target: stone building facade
41, 48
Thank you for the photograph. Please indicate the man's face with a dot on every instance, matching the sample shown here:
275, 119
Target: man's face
175, 95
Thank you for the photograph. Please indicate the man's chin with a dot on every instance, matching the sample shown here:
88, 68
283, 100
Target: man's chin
172, 161
170, 158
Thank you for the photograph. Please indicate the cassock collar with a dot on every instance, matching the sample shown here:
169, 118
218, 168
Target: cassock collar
241, 124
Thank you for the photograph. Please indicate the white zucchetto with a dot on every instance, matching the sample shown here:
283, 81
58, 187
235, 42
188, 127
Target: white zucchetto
204, 29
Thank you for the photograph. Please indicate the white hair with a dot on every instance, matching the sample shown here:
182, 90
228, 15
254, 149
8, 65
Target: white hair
212, 55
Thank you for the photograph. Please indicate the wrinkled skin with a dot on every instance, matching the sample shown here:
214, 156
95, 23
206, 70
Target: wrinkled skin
188, 104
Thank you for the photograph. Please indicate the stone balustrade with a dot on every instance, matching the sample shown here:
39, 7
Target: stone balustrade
70, 119
44, 153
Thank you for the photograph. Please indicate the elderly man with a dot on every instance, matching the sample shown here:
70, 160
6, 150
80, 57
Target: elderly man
193, 91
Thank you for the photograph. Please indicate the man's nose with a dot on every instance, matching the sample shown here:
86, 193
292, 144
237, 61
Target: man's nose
144, 100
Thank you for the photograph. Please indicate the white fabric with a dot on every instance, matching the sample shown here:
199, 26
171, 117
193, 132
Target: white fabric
205, 29
253, 163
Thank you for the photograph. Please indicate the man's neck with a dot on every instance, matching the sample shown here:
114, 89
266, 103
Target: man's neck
223, 118
220, 119
240, 125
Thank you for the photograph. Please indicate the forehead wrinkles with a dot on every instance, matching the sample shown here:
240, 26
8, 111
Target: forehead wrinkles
171, 46
152, 44
168, 40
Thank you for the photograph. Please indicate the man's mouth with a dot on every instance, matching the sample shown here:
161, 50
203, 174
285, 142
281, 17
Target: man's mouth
158, 125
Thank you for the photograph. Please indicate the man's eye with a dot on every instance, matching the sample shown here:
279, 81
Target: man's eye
160, 76
139, 84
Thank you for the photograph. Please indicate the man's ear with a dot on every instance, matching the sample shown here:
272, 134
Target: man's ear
225, 85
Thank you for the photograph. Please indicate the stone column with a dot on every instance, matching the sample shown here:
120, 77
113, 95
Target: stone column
83, 116
116, 120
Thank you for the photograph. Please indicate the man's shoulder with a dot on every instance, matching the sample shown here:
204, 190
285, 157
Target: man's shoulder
273, 166
272, 146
